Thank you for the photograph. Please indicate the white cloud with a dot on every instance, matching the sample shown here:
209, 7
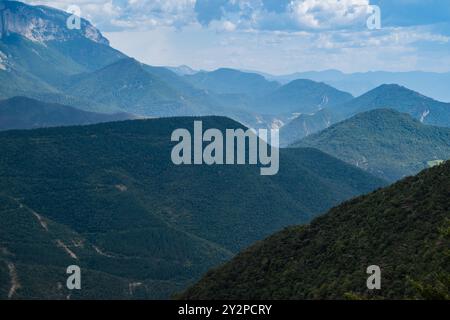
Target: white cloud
299, 35
291, 15
326, 14
284, 52
130, 14
234, 14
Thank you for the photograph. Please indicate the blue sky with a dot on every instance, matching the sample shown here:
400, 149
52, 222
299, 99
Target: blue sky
276, 36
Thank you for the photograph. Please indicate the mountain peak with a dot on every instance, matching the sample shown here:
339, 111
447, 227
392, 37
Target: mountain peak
304, 96
235, 72
42, 24
394, 93
308, 83
393, 88
387, 86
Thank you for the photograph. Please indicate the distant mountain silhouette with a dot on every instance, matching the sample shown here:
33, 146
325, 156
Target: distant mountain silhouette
26, 113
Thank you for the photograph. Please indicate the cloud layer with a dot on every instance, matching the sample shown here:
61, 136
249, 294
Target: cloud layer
277, 15
259, 15
276, 35
291, 15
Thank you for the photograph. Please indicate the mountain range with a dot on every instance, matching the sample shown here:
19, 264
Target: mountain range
420, 107
42, 59
302, 97
91, 189
404, 230
432, 84
273, 105
230, 81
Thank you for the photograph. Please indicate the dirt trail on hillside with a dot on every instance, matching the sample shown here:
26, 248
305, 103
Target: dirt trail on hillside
40, 219
101, 252
15, 285
66, 248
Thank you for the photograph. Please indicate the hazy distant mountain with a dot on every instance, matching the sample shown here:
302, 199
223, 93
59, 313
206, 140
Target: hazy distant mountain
230, 81
41, 58
26, 113
403, 229
420, 107
302, 96
271, 105
430, 84
126, 85
153, 91
402, 99
304, 125
384, 142
108, 198
252, 93
234, 88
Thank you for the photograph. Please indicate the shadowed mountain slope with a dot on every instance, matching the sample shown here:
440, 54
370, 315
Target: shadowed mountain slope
404, 229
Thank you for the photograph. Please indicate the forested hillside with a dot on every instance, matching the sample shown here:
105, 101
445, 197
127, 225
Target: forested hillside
107, 197
404, 229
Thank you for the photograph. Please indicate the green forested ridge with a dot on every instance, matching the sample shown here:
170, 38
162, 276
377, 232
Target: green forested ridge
395, 97
110, 193
401, 99
384, 142
305, 125
26, 113
404, 229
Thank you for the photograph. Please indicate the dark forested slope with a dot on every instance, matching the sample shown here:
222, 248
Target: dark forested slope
108, 198
404, 229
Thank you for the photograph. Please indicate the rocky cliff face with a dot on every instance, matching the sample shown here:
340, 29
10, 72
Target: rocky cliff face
40, 23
